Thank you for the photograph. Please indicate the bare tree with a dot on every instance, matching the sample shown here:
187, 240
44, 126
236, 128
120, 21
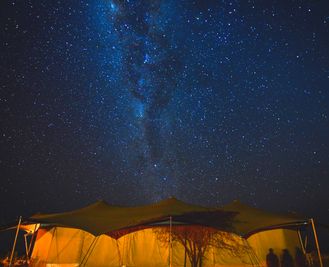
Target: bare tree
197, 239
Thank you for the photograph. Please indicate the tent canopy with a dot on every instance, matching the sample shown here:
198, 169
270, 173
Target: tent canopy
250, 220
102, 218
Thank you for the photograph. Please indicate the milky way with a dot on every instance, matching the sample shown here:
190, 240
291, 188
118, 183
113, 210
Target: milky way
150, 60
135, 101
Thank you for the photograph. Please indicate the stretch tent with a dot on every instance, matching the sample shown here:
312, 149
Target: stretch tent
105, 235
102, 218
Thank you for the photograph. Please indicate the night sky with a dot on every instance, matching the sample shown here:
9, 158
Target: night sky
135, 101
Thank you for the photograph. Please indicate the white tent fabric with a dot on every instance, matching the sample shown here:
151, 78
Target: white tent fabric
67, 247
277, 239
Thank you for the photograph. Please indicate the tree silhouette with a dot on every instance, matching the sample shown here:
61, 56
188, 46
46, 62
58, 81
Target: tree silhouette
197, 239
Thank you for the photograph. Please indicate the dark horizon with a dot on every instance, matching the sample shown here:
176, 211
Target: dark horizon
137, 101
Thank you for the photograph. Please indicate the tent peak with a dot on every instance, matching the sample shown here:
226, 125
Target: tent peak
168, 200
98, 203
101, 201
173, 201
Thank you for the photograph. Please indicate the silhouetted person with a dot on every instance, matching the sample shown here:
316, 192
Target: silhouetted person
300, 259
272, 260
286, 259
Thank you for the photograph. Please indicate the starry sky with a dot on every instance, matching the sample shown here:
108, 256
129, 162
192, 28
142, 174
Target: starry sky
135, 101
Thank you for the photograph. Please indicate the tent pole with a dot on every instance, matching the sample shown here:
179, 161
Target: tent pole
26, 247
32, 239
185, 252
170, 241
301, 242
316, 242
15, 240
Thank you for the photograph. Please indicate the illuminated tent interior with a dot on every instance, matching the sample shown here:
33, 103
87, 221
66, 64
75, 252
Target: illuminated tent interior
161, 234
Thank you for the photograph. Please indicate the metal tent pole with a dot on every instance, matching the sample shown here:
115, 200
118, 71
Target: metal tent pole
316, 242
15, 240
170, 241
33, 237
26, 247
301, 241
